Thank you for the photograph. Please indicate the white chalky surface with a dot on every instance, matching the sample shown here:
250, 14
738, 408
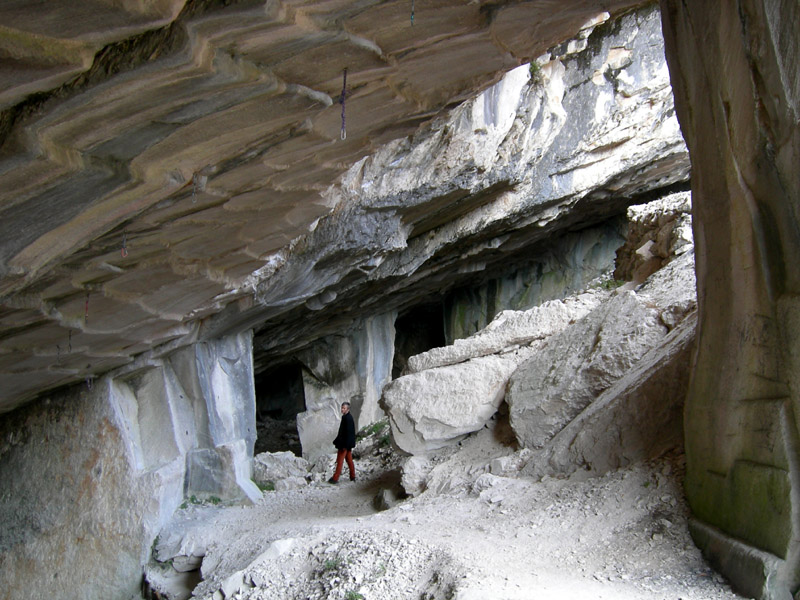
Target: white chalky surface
622, 535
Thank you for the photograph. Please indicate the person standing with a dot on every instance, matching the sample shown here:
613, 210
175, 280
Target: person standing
345, 442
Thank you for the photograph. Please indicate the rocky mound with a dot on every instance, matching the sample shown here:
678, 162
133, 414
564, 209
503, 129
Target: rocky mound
352, 565
594, 381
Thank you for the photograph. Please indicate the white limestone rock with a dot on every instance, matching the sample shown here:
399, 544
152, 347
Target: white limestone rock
636, 418
437, 407
657, 232
274, 466
574, 366
508, 329
414, 474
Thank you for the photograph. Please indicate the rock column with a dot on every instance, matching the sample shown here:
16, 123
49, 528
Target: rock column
737, 94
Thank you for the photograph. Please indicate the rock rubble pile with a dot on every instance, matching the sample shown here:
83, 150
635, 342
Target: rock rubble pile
352, 565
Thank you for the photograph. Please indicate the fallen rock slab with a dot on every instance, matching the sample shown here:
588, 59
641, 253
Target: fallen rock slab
437, 407
275, 466
638, 418
510, 328
573, 367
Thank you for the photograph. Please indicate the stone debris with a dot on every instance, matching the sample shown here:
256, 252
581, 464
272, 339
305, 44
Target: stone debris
277, 466
657, 232
342, 566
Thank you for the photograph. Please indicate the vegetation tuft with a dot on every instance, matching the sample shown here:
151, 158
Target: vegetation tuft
373, 429
266, 486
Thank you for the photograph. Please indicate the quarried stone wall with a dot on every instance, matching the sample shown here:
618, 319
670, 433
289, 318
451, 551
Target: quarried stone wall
88, 476
737, 95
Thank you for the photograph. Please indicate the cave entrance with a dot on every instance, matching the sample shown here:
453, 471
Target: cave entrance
279, 398
416, 330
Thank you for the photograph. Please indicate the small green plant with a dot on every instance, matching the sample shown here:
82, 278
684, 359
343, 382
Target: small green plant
184, 505
608, 284
214, 500
371, 429
353, 595
536, 73
385, 440
266, 486
194, 500
612, 284
331, 564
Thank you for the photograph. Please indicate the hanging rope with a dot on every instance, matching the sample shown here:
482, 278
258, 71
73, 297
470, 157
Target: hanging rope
194, 188
341, 100
58, 354
69, 342
86, 311
124, 245
412, 13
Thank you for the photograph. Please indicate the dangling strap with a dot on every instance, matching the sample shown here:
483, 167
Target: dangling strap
341, 100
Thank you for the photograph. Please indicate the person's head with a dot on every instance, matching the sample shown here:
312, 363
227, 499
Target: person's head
345, 408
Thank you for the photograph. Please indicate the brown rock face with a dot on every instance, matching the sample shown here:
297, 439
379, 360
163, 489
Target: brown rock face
737, 92
154, 156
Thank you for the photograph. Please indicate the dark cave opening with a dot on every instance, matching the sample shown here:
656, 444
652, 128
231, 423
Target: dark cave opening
279, 398
416, 330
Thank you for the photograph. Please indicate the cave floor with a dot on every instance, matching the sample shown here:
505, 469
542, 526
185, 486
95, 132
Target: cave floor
621, 535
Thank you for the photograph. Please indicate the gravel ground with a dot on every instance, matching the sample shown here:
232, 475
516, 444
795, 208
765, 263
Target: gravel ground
474, 536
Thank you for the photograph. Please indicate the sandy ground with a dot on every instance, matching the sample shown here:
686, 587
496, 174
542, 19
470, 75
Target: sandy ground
477, 536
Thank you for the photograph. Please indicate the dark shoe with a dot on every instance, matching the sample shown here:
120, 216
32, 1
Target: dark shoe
332, 480
352, 479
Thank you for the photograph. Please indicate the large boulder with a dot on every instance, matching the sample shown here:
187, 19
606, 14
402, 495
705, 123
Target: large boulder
274, 466
454, 390
575, 366
437, 407
637, 417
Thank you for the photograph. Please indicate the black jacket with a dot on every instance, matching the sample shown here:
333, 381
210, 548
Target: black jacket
347, 433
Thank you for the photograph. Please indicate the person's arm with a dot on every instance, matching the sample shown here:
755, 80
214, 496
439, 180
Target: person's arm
351, 431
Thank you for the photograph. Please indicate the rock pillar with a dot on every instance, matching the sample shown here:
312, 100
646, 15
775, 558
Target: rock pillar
737, 94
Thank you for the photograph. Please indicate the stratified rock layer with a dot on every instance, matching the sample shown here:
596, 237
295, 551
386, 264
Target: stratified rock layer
181, 166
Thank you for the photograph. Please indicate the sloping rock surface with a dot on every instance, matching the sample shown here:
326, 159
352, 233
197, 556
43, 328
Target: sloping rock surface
573, 367
163, 163
566, 370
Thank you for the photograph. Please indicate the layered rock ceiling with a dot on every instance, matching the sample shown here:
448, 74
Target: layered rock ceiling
162, 161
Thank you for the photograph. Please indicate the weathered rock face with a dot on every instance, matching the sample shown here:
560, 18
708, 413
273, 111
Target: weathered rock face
567, 264
81, 495
454, 390
114, 463
446, 207
166, 158
572, 368
657, 232
594, 382
344, 368
738, 100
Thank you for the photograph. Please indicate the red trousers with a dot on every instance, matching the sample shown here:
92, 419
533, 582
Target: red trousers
341, 455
